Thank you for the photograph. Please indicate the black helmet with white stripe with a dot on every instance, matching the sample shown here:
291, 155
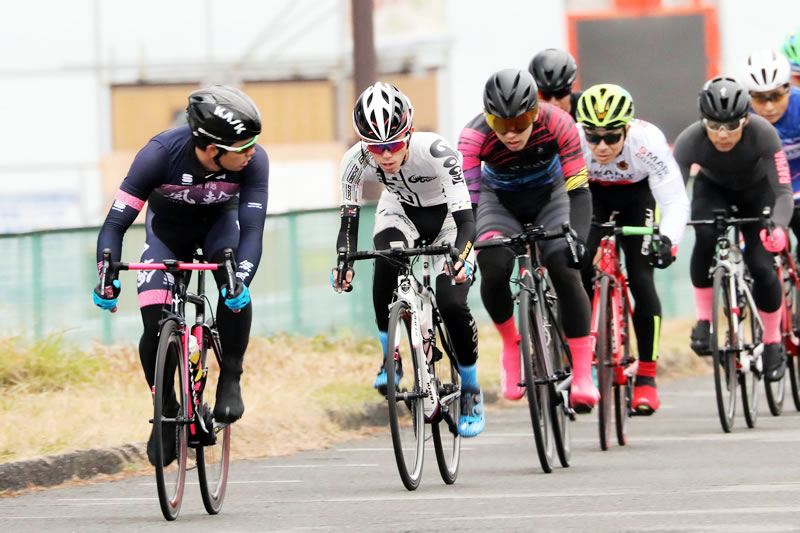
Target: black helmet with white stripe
723, 99
382, 114
222, 115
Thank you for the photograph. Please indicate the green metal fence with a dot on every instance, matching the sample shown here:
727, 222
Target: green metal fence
46, 279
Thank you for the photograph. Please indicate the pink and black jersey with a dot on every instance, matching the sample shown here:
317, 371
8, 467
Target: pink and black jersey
553, 151
167, 174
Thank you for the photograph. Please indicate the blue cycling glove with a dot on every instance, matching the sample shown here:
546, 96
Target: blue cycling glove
109, 302
237, 302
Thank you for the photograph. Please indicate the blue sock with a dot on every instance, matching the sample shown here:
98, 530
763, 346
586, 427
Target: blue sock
469, 378
384, 338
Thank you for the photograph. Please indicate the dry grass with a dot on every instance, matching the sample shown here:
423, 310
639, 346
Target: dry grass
67, 399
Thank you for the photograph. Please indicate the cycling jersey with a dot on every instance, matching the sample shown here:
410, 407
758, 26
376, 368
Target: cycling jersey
788, 127
430, 176
645, 156
758, 156
552, 151
167, 174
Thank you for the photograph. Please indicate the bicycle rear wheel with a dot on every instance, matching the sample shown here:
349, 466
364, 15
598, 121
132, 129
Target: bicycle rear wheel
446, 440
776, 391
532, 348
213, 460
723, 349
792, 363
559, 402
603, 355
623, 388
169, 384
405, 406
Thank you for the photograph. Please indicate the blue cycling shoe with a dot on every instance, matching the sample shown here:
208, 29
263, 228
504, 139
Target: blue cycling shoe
380, 380
471, 422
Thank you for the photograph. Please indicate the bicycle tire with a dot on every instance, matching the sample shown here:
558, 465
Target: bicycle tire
776, 390
792, 363
559, 403
723, 350
623, 388
213, 461
529, 327
750, 337
170, 479
406, 416
605, 370
446, 442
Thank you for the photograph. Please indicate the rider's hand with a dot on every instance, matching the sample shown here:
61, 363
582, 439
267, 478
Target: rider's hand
240, 297
462, 269
662, 253
776, 243
346, 284
107, 301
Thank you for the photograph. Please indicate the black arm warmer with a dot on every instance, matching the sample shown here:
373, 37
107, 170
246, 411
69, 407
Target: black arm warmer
580, 211
465, 238
348, 231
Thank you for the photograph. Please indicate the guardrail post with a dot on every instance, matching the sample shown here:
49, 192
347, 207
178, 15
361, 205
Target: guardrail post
36, 289
294, 274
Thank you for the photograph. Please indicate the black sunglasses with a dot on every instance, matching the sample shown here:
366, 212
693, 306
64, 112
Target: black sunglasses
558, 95
609, 138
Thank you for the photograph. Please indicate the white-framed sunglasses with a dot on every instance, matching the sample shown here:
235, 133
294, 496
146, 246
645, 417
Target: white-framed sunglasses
237, 148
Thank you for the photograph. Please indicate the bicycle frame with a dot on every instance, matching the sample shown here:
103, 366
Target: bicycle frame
787, 272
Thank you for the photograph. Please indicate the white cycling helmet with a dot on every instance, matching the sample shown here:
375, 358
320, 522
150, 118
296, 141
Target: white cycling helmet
766, 70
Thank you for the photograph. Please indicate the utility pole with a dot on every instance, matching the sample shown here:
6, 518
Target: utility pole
364, 63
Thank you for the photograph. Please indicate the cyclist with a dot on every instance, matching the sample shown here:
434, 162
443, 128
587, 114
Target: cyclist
631, 171
741, 164
767, 77
533, 172
791, 49
555, 71
425, 200
206, 185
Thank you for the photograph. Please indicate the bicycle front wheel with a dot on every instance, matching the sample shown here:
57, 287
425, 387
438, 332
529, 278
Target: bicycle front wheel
623, 388
723, 349
792, 364
603, 355
213, 460
559, 401
749, 339
446, 440
531, 332
406, 415
169, 424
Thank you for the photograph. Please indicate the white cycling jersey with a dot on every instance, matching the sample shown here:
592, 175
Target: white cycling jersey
646, 155
431, 175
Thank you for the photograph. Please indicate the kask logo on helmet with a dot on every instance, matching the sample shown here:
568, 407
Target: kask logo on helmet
227, 114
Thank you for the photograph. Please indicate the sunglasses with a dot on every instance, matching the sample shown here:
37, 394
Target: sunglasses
730, 127
393, 147
773, 96
608, 138
516, 124
237, 148
558, 95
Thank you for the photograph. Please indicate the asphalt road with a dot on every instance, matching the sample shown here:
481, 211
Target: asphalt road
679, 472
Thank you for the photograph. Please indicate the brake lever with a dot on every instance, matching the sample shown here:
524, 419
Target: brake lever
570, 235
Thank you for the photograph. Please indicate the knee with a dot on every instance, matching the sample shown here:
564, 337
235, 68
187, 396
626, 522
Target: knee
496, 264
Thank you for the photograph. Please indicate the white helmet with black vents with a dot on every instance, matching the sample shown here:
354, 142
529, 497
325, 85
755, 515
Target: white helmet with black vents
766, 70
382, 114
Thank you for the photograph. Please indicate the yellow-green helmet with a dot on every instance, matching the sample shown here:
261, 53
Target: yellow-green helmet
605, 106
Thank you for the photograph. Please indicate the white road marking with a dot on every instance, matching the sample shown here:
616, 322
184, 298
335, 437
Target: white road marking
597, 514
347, 465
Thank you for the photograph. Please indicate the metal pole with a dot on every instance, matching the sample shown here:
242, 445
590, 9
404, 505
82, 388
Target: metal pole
364, 63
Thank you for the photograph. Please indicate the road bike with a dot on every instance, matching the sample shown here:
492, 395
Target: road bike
544, 353
182, 371
736, 326
615, 363
790, 329
418, 334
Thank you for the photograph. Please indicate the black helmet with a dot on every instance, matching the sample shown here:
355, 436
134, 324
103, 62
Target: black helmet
553, 70
509, 93
723, 99
222, 115
382, 113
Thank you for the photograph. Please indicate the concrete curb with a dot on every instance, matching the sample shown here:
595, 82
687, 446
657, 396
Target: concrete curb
84, 464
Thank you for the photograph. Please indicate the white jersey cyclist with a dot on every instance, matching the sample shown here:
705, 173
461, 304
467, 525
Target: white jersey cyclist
646, 156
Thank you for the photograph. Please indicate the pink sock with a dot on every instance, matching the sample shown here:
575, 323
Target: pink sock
508, 332
581, 348
702, 303
772, 325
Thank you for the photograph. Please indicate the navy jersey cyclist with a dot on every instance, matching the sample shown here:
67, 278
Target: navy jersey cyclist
555, 72
768, 78
206, 186
631, 172
425, 200
741, 164
533, 172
